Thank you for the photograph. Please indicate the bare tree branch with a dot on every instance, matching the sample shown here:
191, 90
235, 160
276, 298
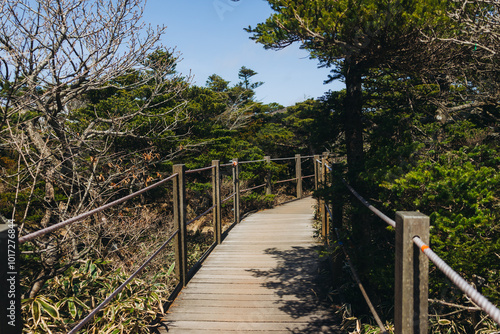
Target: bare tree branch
53, 54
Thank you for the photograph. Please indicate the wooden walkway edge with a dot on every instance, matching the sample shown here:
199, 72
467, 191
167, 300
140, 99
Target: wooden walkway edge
262, 278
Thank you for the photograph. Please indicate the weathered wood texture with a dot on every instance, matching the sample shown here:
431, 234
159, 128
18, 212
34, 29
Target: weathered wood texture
411, 275
262, 278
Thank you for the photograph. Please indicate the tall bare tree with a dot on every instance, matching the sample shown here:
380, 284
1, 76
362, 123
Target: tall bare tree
53, 53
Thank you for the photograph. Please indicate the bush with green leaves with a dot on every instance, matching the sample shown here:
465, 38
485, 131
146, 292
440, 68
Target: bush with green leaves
72, 296
462, 198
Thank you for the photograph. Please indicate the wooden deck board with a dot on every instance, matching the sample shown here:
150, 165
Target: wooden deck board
260, 279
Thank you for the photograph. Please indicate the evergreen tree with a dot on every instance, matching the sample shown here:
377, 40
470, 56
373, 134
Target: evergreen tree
245, 74
352, 37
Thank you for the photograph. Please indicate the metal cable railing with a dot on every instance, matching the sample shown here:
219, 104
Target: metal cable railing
253, 188
57, 226
282, 159
190, 171
454, 277
283, 181
228, 198
369, 206
92, 314
358, 281
488, 307
201, 215
252, 161
80, 217
365, 202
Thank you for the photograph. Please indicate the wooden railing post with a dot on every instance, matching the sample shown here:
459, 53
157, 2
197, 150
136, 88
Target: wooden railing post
323, 203
269, 189
317, 181
316, 171
10, 300
217, 201
180, 223
412, 274
236, 187
298, 174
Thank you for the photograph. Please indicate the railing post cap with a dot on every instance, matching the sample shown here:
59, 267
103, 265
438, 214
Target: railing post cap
410, 214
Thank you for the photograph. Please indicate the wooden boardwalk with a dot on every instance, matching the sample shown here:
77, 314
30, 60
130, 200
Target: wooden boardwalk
262, 278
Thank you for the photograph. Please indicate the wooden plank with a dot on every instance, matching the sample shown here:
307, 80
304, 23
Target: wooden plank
194, 304
183, 327
259, 315
219, 331
214, 297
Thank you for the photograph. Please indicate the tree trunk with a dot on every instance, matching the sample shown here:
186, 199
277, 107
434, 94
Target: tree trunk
353, 122
361, 219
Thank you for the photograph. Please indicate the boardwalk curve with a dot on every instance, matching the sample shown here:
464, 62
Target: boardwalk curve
262, 278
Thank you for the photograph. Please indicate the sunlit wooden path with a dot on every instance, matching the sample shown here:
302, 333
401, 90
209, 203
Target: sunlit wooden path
262, 278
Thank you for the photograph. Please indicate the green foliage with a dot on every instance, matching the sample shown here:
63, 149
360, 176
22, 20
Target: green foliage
255, 201
82, 287
244, 75
336, 29
462, 198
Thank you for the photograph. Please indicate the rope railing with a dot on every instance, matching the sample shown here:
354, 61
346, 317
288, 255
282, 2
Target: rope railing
75, 219
462, 284
358, 281
469, 290
488, 307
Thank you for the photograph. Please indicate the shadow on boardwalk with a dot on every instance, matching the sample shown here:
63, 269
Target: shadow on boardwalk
265, 277
301, 274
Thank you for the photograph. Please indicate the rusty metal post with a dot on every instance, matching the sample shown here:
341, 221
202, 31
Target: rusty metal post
180, 223
236, 187
10, 293
269, 189
298, 174
412, 274
217, 201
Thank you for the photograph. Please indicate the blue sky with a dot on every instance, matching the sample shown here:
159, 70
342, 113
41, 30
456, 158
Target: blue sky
210, 36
